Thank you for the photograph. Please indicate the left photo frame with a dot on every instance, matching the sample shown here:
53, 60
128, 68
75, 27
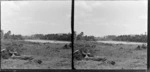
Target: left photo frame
36, 35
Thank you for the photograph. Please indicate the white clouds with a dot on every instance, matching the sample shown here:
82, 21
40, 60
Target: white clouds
28, 17
143, 17
111, 17
12, 6
96, 4
84, 9
83, 4
8, 8
87, 5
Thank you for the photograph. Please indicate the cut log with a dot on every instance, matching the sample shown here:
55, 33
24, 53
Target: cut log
22, 57
38, 61
96, 59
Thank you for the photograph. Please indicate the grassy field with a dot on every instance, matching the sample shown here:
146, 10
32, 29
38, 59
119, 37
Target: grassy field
52, 55
125, 56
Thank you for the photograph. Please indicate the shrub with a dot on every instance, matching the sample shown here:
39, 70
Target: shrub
5, 54
66, 46
83, 53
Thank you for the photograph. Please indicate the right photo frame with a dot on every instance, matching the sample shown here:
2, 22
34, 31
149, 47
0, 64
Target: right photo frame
110, 34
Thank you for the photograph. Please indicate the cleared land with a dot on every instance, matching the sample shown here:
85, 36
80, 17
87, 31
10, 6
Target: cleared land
52, 55
125, 56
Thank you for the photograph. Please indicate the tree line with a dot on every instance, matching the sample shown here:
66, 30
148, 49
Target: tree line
81, 36
8, 35
61, 37
132, 38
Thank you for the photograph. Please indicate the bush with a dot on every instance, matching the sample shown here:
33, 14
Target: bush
14, 47
82, 53
5, 54
78, 55
144, 46
66, 46
141, 47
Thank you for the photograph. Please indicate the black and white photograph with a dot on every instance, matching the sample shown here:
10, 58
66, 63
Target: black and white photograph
74, 35
36, 34
110, 34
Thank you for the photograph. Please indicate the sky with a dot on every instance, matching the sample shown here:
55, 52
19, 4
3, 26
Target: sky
36, 17
98, 18
101, 18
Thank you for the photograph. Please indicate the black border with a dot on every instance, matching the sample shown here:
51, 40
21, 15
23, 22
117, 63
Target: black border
148, 50
72, 29
0, 28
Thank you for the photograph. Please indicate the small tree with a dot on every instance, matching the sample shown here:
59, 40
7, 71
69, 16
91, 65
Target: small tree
75, 35
80, 36
7, 35
2, 34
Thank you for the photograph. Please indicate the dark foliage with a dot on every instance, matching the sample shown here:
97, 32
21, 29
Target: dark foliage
2, 34
14, 47
82, 53
16, 37
132, 38
8, 35
38, 61
62, 37
5, 54
81, 36
67, 46
141, 47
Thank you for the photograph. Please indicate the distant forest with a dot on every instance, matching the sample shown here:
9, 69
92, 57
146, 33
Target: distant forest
80, 36
8, 35
130, 38
61, 37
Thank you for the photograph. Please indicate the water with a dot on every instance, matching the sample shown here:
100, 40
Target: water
109, 42
48, 41
122, 42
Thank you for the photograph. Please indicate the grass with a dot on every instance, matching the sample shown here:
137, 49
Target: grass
125, 56
52, 55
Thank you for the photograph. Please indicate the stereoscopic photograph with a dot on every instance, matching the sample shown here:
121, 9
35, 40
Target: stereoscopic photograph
36, 35
110, 34
74, 34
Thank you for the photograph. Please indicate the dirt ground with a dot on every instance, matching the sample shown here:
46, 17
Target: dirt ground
124, 56
52, 55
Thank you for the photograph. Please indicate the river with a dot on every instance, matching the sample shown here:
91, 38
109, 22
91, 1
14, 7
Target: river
48, 41
122, 42
109, 42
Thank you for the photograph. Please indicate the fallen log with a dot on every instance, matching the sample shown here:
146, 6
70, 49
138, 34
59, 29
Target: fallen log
102, 59
96, 58
23, 57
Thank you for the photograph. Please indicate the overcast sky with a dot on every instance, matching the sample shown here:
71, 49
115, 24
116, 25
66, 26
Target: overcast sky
100, 18
31, 17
